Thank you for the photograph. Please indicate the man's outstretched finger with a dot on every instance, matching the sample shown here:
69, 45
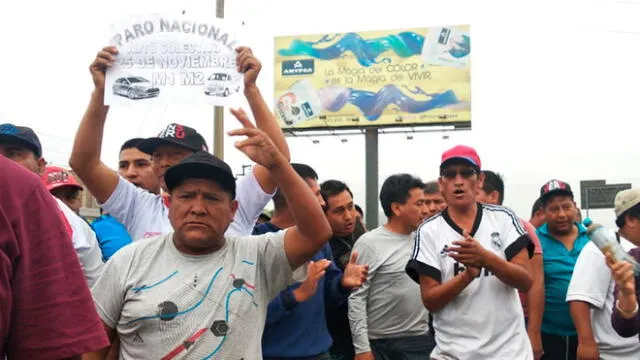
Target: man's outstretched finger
250, 133
243, 118
252, 141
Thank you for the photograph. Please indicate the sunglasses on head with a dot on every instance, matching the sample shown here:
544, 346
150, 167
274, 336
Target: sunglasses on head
452, 173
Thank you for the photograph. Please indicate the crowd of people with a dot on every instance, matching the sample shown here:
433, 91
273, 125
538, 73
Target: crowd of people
183, 263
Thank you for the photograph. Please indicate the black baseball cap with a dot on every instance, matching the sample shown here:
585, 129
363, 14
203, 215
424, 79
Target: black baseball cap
201, 165
23, 134
175, 134
554, 187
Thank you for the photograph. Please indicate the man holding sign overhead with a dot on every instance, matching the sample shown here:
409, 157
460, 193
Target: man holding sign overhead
145, 214
198, 292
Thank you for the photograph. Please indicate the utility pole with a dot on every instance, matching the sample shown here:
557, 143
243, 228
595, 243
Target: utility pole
218, 111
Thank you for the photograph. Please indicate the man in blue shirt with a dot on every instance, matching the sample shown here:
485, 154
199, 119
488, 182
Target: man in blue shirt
296, 326
562, 240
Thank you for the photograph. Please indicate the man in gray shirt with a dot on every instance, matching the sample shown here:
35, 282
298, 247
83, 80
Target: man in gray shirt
196, 293
387, 318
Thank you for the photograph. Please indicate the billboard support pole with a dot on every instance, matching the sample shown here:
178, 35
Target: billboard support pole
588, 206
371, 180
218, 111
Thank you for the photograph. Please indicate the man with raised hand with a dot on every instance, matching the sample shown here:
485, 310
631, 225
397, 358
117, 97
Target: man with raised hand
145, 214
296, 326
197, 292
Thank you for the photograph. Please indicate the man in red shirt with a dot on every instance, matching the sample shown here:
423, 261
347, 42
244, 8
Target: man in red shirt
46, 309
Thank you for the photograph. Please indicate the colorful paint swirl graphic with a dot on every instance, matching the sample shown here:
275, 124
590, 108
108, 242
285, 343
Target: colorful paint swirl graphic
404, 44
373, 104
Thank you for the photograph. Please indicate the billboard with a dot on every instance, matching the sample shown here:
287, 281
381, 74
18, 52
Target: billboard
406, 77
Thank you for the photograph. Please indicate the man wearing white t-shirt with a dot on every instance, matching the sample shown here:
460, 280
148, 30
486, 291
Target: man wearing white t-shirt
591, 298
145, 214
198, 293
21, 145
470, 260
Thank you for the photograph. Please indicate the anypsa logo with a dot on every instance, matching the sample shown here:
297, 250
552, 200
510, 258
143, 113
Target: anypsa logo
298, 67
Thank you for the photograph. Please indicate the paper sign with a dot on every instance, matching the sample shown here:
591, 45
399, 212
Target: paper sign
173, 60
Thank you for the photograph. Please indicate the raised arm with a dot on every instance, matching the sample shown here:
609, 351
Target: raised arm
312, 229
265, 121
85, 156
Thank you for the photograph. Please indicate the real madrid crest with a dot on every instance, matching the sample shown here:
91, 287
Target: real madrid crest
496, 241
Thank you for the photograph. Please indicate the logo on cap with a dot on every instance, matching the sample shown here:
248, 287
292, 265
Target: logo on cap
58, 177
554, 185
172, 131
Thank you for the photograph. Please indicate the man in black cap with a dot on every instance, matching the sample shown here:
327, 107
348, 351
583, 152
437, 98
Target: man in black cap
145, 214
21, 145
562, 240
196, 292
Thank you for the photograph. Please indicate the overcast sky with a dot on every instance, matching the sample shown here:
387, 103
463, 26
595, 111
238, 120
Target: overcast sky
554, 84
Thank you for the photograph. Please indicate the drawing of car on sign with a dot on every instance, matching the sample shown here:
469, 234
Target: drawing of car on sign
135, 87
220, 84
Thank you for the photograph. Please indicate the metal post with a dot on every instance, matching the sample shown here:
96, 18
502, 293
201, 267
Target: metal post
371, 181
588, 204
218, 111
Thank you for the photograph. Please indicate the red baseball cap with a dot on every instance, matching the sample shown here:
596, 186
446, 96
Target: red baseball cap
55, 177
461, 152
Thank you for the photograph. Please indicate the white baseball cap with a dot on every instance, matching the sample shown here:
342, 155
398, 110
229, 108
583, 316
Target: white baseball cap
625, 200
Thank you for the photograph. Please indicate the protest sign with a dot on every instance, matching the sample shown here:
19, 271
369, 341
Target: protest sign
173, 60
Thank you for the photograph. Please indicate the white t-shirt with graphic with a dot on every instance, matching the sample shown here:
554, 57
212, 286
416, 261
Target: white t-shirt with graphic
145, 214
485, 321
85, 243
592, 283
170, 305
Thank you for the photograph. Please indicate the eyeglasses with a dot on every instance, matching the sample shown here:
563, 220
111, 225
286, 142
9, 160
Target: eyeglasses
452, 173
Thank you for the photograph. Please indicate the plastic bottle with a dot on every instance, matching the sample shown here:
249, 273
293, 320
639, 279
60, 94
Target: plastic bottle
606, 241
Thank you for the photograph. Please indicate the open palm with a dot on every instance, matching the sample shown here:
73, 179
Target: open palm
354, 275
